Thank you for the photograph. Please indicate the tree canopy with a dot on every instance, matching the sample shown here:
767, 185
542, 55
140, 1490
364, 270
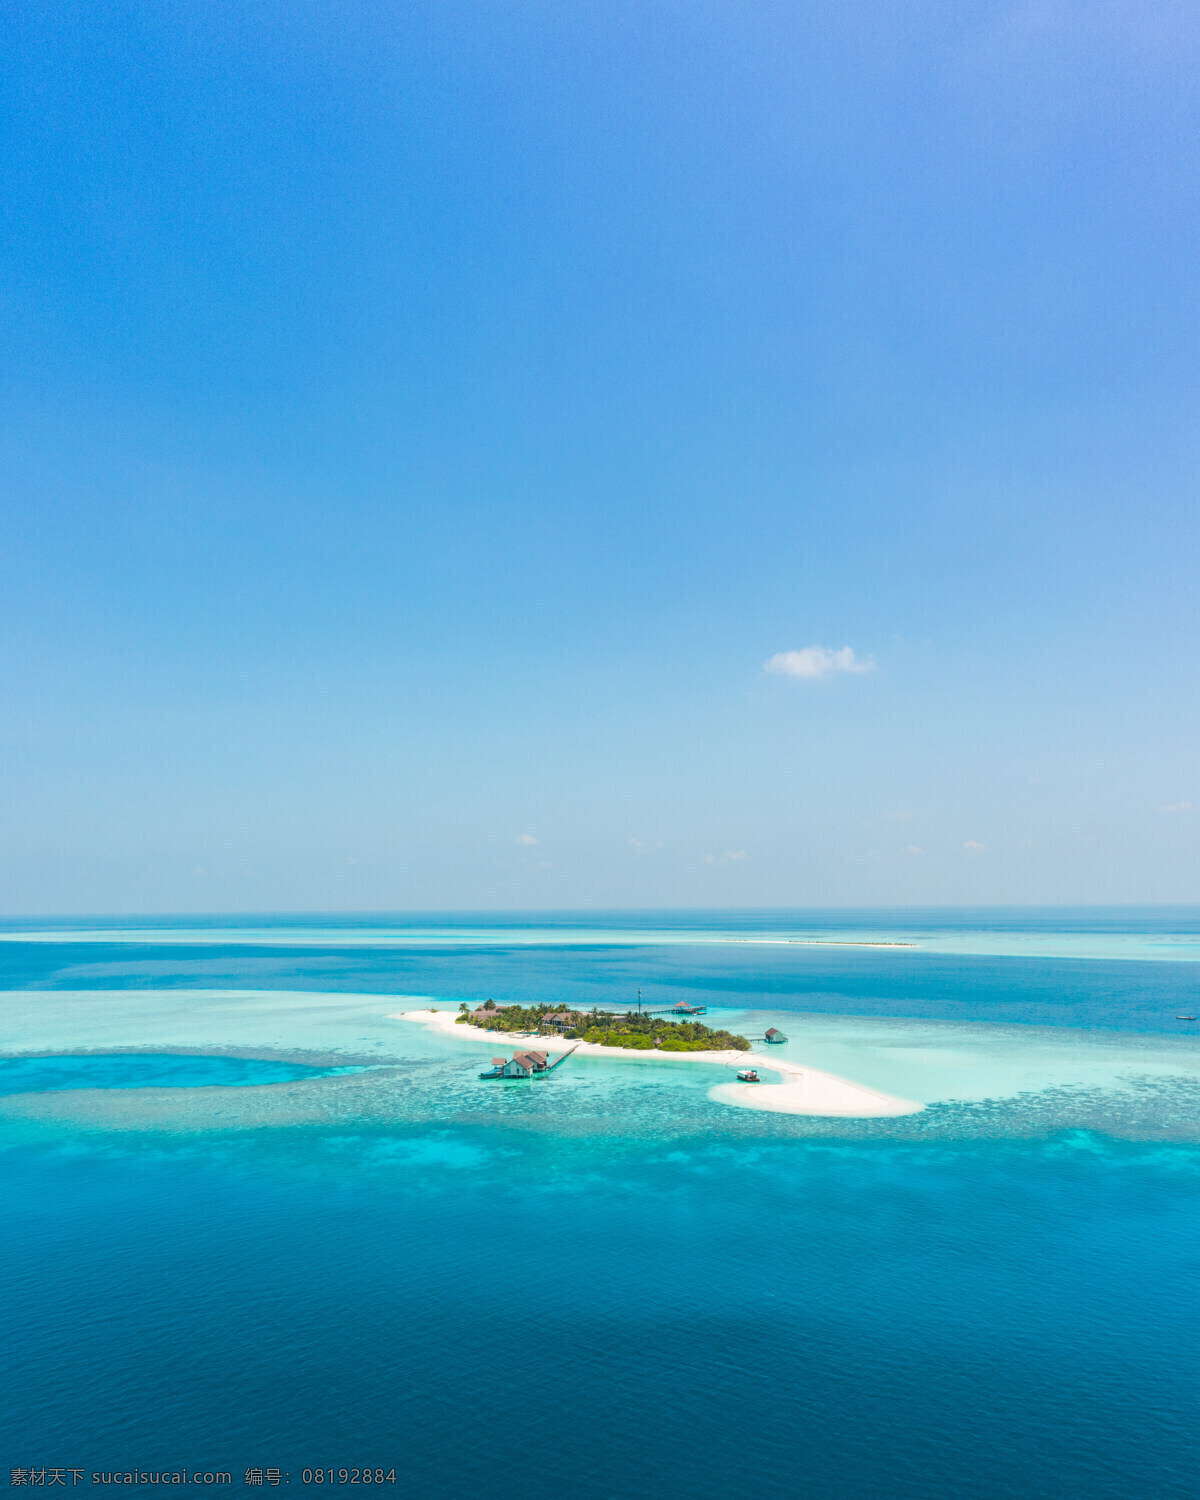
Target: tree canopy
610, 1028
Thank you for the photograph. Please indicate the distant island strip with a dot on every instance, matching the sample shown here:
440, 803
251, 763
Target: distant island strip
845, 942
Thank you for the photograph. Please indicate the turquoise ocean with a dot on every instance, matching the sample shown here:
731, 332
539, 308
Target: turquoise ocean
255, 1219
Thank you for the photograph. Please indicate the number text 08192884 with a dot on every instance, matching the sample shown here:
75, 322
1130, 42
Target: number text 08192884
365, 1475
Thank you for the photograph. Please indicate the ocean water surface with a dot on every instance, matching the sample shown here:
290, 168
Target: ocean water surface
257, 1218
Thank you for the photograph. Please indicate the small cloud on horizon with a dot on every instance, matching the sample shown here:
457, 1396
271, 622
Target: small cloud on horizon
1179, 807
645, 846
914, 849
527, 839
973, 846
816, 663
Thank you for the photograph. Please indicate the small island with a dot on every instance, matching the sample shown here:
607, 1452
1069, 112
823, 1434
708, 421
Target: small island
604, 1027
802, 1090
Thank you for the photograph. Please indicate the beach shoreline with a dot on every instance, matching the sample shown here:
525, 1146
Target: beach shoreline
804, 1090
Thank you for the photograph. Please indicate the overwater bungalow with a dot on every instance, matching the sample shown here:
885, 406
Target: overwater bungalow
524, 1065
520, 1065
775, 1036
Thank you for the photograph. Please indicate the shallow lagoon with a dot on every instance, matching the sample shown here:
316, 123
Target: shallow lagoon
141, 1070
975, 1077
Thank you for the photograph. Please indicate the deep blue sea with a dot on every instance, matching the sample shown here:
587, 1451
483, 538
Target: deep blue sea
253, 1220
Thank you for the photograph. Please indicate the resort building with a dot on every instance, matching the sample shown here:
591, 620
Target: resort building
774, 1035
525, 1064
563, 1021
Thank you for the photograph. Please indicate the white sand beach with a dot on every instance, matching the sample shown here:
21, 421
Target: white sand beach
803, 1091
809, 1091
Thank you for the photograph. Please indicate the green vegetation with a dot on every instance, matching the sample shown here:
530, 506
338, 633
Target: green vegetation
609, 1028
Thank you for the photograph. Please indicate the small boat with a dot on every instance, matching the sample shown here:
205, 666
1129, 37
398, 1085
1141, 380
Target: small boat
748, 1075
1185, 1018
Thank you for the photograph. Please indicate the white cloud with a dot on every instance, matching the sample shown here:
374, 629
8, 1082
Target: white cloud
815, 663
735, 854
527, 839
914, 849
973, 846
1179, 807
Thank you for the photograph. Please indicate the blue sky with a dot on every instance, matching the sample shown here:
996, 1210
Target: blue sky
422, 423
